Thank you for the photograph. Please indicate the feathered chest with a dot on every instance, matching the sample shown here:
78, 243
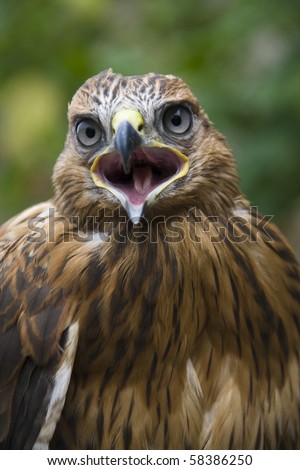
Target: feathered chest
147, 303
138, 327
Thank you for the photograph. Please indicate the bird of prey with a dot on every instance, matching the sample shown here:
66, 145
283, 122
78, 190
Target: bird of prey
147, 305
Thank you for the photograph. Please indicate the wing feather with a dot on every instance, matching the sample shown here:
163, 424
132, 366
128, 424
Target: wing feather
38, 338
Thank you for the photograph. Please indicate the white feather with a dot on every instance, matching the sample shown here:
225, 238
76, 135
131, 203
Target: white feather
61, 384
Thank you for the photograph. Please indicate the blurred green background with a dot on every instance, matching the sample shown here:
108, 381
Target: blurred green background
240, 57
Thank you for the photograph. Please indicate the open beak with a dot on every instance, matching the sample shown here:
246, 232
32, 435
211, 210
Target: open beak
136, 170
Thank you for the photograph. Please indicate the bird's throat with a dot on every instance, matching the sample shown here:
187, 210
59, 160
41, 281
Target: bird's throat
142, 180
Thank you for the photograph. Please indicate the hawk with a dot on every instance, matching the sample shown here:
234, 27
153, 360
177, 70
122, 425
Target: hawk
147, 305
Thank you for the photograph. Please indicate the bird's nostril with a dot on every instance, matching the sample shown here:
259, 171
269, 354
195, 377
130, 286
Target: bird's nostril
141, 127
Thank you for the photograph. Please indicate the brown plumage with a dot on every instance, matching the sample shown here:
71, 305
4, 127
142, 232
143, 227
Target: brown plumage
177, 329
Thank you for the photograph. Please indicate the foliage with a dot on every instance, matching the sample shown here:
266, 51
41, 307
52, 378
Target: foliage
241, 59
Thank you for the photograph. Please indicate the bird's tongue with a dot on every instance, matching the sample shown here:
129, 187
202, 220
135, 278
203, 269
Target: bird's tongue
142, 179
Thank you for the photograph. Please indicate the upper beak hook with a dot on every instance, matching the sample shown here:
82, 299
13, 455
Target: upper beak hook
127, 139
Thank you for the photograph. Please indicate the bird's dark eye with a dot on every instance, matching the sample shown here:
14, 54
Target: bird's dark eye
177, 119
88, 132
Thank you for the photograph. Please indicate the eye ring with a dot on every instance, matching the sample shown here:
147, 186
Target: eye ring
88, 132
177, 119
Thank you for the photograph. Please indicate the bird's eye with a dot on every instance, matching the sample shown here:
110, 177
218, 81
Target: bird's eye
177, 119
88, 132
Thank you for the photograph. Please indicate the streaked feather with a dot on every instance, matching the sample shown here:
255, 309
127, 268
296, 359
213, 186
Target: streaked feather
183, 343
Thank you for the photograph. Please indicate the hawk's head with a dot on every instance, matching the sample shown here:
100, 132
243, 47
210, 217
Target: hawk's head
144, 144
